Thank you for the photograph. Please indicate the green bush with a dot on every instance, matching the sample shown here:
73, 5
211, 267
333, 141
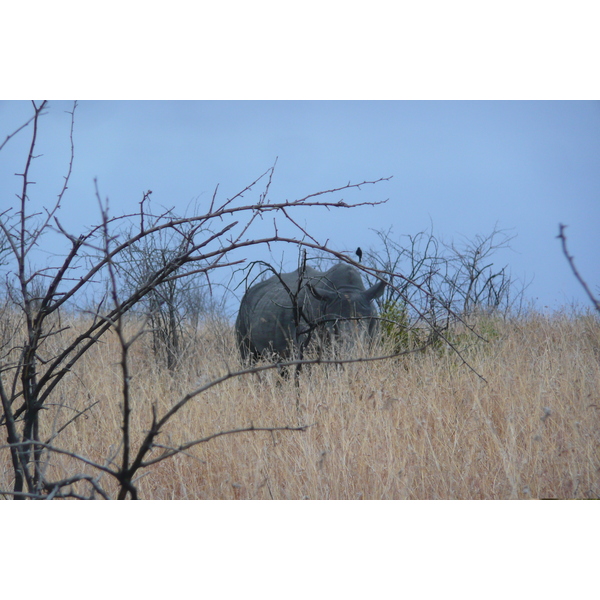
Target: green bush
395, 325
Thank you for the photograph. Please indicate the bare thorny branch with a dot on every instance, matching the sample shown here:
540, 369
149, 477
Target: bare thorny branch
563, 239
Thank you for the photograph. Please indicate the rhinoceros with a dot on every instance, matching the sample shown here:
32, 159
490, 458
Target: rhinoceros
283, 313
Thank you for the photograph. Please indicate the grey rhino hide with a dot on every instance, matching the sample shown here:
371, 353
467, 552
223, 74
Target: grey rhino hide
266, 322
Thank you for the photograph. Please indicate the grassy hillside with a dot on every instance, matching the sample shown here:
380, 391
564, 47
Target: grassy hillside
423, 426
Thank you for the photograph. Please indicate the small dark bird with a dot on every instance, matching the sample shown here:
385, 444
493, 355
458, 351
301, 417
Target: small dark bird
359, 254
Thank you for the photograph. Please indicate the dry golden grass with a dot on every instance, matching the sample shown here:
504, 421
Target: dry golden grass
419, 427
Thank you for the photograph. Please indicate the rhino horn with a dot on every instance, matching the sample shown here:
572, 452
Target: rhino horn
375, 290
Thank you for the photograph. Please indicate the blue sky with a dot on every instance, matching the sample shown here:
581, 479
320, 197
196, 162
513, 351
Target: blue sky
461, 167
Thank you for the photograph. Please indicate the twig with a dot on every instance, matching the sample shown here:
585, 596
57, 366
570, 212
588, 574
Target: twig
183, 447
563, 238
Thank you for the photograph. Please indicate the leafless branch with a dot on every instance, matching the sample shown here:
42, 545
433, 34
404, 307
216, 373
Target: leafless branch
8, 137
563, 239
169, 452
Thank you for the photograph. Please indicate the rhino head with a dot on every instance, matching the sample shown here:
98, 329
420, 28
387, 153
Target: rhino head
344, 311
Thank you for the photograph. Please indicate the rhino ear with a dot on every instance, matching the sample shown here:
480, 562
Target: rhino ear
321, 295
375, 290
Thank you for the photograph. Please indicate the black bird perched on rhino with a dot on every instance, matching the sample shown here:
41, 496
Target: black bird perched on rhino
281, 314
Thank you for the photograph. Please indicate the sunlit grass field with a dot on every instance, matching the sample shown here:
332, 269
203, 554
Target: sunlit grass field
521, 421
